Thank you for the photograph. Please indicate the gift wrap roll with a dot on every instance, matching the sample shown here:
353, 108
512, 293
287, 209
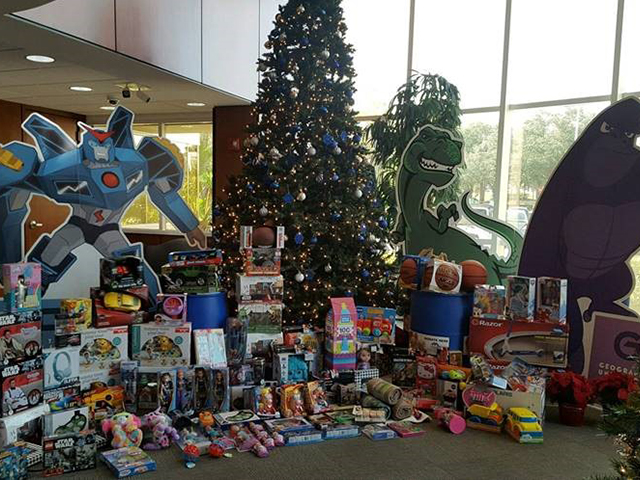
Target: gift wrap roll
385, 391
369, 401
403, 409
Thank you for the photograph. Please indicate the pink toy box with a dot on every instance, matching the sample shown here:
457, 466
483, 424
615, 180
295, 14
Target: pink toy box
340, 331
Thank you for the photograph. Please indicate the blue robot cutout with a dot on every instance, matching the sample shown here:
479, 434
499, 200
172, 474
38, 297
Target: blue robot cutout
98, 179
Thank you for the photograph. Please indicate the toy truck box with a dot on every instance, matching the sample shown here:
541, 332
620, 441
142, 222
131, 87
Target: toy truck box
22, 386
20, 342
521, 298
22, 286
103, 348
190, 279
261, 317
552, 300
161, 345
538, 343
376, 325
261, 261
264, 288
489, 301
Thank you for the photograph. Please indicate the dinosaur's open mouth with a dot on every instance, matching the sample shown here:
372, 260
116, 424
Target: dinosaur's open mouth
429, 164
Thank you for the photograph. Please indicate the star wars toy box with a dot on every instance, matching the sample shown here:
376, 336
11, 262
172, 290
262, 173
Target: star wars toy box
489, 301
340, 334
22, 386
171, 309
66, 422
121, 273
26, 425
376, 325
442, 276
103, 348
20, 342
552, 300
261, 288
261, 260
75, 316
70, 453
161, 345
128, 461
22, 282
61, 367
521, 298
261, 317
539, 343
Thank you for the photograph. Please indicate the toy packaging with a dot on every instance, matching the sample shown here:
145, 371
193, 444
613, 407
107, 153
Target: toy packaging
190, 279
104, 402
210, 347
25, 425
20, 342
259, 288
261, 260
379, 431
161, 345
156, 388
22, 386
261, 317
413, 276
224, 419
442, 276
70, 453
61, 367
99, 378
128, 461
22, 290
404, 368
184, 389
236, 340
75, 316
66, 422
292, 401
340, 334
263, 401
336, 426
291, 367
521, 298
241, 375
14, 461
552, 300
121, 273
295, 430
172, 309
376, 325
211, 389
426, 375
103, 348
406, 429
489, 301
189, 258
315, 398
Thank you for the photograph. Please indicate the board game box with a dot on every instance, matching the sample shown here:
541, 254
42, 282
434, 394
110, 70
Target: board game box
128, 461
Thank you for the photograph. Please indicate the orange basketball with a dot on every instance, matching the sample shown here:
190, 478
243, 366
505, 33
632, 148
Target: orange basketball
473, 273
446, 277
264, 237
408, 272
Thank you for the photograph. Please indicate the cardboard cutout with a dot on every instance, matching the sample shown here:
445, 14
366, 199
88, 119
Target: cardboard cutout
586, 224
98, 179
430, 161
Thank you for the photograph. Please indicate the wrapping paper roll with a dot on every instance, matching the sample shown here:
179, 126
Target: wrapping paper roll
385, 391
369, 401
403, 409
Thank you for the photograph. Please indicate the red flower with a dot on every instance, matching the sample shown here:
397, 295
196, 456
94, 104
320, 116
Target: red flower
614, 387
570, 388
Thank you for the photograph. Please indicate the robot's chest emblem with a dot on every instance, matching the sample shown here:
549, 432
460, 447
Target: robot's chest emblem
110, 180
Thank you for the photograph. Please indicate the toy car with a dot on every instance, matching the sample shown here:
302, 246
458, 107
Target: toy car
523, 425
122, 302
485, 418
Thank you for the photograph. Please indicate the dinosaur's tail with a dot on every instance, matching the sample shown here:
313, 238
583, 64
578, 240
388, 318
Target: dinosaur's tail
507, 232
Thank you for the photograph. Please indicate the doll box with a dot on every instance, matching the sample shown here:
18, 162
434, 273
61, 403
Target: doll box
22, 386
161, 345
103, 348
552, 300
266, 288
20, 342
70, 453
521, 298
128, 461
211, 390
376, 325
261, 317
75, 316
489, 301
172, 309
61, 367
22, 286
66, 422
156, 388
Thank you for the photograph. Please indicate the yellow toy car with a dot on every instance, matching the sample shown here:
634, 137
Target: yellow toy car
122, 302
485, 418
523, 425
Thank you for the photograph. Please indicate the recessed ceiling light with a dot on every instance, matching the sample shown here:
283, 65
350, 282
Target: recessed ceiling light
40, 58
108, 107
78, 88
196, 104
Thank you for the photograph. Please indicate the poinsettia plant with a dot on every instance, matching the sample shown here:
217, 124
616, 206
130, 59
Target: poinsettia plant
569, 388
614, 388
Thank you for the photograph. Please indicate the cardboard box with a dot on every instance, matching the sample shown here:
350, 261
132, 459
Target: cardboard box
538, 343
121, 273
70, 453
246, 237
61, 367
66, 422
156, 388
261, 261
521, 298
552, 300
534, 401
12, 427
264, 289
103, 348
22, 386
172, 309
75, 315
20, 342
210, 347
22, 286
161, 345
190, 279
340, 334
376, 325
211, 390
291, 367
489, 301
261, 317
93, 379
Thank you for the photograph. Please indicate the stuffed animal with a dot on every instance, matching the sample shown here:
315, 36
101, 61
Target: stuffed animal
125, 428
158, 431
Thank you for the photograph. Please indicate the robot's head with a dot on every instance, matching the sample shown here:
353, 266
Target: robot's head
97, 145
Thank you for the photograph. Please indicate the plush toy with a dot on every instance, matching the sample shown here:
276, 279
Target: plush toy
158, 429
125, 428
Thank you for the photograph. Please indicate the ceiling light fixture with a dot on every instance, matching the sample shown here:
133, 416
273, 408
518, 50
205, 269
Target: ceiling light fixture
196, 104
108, 107
40, 58
78, 88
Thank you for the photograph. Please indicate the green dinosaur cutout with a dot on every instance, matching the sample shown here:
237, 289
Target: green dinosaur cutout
429, 161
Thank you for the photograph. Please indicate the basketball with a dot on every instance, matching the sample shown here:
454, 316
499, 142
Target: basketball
408, 272
446, 277
264, 237
473, 273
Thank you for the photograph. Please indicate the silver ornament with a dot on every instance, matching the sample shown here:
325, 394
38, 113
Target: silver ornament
337, 151
282, 37
324, 54
272, 75
294, 92
302, 196
263, 211
328, 267
274, 153
254, 141
273, 117
319, 178
311, 151
299, 277
262, 67
358, 193
300, 10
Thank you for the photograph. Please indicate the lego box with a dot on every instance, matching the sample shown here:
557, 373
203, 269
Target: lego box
20, 342
261, 317
22, 386
521, 298
70, 453
552, 300
22, 290
103, 348
259, 288
541, 344
161, 345
489, 301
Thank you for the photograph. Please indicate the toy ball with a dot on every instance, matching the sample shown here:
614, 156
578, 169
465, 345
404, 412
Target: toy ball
408, 271
264, 236
216, 451
473, 273
457, 424
446, 277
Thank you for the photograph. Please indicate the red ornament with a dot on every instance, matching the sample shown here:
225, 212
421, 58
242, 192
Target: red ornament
216, 451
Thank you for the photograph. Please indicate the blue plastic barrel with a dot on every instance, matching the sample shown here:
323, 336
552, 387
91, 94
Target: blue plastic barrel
207, 310
442, 315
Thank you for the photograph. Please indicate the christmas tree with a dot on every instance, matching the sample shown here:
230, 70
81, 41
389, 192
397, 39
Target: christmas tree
305, 169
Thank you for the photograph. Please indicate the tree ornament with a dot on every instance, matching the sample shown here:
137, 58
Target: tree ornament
299, 238
299, 277
263, 211
319, 178
323, 110
293, 171
301, 197
273, 117
279, 17
383, 222
272, 75
293, 93
268, 44
283, 37
253, 140
300, 9
275, 184
337, 150
274, 153
262, 67
335, 177
310, 274
288, 198
361, 238
336, 217
357, 193
311, 151
365, 273
304, 41
328, 268
324, 54
313, 240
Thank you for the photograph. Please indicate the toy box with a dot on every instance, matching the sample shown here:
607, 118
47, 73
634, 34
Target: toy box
291, 367
552, 300
303, 338
404, 368
295, 430
156, 388
99, 378
211, 390
172, 309
25, 425
22, 386
161, 345
76, 315
129, 382
376, 325
61, 367
426, 375
14, 463
224, 419
16, 318
442, 276
190, 279
533, 400
121, 273
241, 375
104, 402
406, 429
539, 343
261, 317
70, 453
379, 431
413, 281
63, 398
259, 288
66, 422
521, 298
20, 342
333, 428
261, 261
128, 461
103, 348
259, 344
189, 258
21, 281
340, 334
489, 301
210, 347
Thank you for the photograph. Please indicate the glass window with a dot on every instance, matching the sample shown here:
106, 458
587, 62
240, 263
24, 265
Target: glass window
462, 41
560, 49
629, 65
379, 31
